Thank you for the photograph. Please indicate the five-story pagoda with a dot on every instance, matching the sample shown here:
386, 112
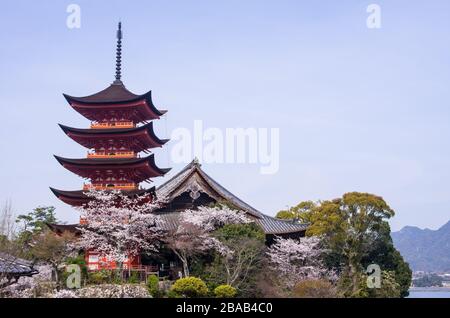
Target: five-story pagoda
121, 128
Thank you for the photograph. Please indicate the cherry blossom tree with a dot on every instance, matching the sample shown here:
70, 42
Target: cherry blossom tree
211, 218
118, 227
192, 236
298, 260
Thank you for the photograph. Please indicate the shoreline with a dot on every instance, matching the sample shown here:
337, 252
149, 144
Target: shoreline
429, 289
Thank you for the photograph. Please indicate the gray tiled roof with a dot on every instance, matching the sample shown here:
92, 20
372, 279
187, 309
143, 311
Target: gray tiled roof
15, 266
269, 224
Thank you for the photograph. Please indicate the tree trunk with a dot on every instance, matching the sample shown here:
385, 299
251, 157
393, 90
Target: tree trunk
55, 268
186, 269
354, 277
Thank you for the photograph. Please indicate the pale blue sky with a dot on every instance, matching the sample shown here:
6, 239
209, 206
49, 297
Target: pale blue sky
358, 109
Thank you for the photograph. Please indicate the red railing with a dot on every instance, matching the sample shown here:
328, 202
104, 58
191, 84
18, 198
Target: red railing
115, 186
117, 124
117, 154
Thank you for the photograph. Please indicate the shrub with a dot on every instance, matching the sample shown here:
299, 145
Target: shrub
189, 287
225, 291
134, 278
389, 287
153, 287
79, 260
172, 294
315, 288
98, 277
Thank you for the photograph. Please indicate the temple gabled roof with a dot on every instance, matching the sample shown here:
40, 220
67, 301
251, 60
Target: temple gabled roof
194, 180
84, 136
183, 180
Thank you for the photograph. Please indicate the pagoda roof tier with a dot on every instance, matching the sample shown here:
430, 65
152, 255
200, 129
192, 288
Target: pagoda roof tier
79, 197
132, 169
136, 139
65, 228
116, 101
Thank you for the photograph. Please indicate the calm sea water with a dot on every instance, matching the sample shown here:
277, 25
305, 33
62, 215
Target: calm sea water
429, 293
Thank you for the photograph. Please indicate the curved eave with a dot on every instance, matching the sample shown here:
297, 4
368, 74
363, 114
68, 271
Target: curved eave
62, 228
114, 131
80, 194
130, 163
114, 93
147, 97
74, 198
274, 226
78, 197
86, 162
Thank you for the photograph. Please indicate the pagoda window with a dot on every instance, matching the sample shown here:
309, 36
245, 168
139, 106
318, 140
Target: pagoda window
93, 258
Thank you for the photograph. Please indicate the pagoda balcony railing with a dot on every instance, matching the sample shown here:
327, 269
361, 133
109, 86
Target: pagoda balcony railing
116, 154
109, 125
109, 186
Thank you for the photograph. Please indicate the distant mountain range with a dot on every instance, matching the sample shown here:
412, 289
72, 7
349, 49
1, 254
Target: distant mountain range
424, 250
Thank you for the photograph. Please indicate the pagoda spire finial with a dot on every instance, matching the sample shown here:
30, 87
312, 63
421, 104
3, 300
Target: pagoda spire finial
119, 55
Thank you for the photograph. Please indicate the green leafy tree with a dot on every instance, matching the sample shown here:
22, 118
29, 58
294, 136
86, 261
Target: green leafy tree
389, 287
240, 266
35, 222
52, 249
356, 233
389, 259
299, 212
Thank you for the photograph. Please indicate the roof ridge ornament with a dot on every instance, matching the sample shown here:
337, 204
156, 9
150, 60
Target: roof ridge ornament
119, 56
196, 162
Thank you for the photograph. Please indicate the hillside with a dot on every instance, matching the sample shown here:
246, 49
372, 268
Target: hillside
425, 250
